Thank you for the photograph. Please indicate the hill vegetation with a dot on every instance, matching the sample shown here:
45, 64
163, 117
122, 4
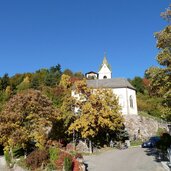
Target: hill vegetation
37, 111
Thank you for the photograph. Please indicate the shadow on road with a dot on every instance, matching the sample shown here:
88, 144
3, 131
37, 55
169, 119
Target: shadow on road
1, 150
158, 157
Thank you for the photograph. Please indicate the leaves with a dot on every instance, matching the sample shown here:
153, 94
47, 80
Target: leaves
99, 109
26, 117
160, 77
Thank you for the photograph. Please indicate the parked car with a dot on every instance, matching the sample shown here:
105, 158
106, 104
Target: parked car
151, 143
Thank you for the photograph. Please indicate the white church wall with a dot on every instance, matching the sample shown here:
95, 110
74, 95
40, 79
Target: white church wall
124, 95
121, 94
105, 71
132, 108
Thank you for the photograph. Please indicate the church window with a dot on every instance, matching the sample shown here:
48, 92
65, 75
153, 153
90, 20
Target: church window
105, 77
131, 101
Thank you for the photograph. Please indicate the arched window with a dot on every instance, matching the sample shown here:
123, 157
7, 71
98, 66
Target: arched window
131, 102
105, 77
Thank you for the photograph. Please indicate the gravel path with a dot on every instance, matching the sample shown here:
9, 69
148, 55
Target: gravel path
133, 159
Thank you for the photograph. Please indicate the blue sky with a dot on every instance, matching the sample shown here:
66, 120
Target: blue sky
38, 34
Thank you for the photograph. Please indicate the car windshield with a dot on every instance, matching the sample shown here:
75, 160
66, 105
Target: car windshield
154, 139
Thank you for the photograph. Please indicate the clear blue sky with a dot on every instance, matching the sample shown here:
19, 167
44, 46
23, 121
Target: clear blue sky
38, 34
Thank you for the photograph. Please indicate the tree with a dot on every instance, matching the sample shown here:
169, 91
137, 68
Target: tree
26, 118
66, 116
99, 112
68, 72
137, 82
79, 75
53, 76
24, 85
160, 77
35, 83
4, 82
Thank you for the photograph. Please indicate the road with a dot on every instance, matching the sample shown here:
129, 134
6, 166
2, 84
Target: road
3, 166
132, 159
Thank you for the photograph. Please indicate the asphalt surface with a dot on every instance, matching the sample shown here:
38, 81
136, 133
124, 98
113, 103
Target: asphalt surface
3, 166
132, 159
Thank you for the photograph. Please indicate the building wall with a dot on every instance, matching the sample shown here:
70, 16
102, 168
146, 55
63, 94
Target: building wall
105, 71
124, 96
127, 100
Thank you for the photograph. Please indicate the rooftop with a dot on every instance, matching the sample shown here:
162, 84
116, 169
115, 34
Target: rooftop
110, 83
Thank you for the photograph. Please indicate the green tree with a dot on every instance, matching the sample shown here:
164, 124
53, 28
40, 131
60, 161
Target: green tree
160, 77
35, 83
137, 82
53, 76
16, 80
5, 81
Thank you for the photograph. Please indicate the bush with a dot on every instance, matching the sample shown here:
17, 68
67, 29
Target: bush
54, 154
8, 158
70, 147
76, 165
60, 161
136, 142
161, 131
36, 158
18, 152
79, 155
68, 164
164, 143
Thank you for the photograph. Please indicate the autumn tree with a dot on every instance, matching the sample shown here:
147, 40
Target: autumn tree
26, 118
66, 116
24, 85
160, 77
68, 72
98, 112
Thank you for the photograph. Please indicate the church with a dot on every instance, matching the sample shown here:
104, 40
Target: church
121, 87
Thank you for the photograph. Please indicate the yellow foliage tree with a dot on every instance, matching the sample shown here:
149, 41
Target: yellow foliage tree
98, 111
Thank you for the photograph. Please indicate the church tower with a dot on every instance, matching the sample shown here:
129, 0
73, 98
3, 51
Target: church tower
105, 71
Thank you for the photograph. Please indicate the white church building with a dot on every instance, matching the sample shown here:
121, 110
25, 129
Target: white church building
121, 87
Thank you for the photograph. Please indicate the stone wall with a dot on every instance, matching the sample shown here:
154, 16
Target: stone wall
142, 127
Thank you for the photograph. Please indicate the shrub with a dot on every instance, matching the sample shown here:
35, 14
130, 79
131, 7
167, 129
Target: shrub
60, 161
70, 147
68, 164
78, 155
76, 165
18, 152
36, 158
164, 143
161, 131
8, 157
54, 154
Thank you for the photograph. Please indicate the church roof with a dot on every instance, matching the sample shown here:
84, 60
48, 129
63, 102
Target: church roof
91, 72
105, 62
110, 83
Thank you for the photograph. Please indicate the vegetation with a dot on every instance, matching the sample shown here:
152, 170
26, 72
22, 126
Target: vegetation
26, 118
38, 115
95, 118
160, 77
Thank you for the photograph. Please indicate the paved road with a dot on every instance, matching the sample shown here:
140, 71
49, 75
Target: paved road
3, 166
133, 159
